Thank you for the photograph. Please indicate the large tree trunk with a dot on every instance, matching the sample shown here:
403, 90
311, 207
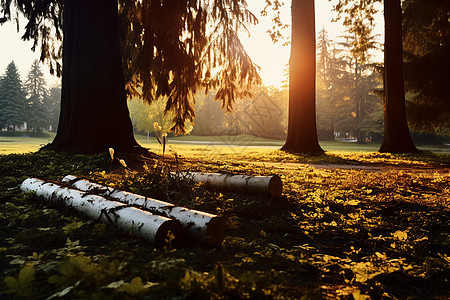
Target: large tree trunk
302, 131
397, 138
94, 113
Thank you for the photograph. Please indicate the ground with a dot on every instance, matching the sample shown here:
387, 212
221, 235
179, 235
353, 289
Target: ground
348, 225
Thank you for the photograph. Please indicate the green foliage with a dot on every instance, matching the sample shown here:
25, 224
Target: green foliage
180, 48
22, 284
426, 45
12, 99
262, 115
143, 115
347, 105
35, 87
171, 49
52, 107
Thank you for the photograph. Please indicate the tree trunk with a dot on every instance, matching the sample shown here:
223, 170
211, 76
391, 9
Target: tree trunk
302, 131
94, 113
156, 229
397, 138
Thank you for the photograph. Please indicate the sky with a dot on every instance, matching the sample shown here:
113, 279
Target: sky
272, 59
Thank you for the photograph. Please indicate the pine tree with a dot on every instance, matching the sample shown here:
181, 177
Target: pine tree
397, 138
36, 109
52, 104
12, 99
427, 47
164, 48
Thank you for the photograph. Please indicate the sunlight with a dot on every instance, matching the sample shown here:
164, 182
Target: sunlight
274, 58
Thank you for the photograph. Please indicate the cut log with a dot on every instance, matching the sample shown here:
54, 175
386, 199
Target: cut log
268, 185
199, 225
157, 229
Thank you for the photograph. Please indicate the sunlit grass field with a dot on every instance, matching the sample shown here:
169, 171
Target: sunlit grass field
204, 145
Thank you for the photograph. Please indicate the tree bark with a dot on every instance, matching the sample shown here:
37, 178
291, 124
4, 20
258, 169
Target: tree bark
397, 138
94, 113
156, 229
302, 130
267, 185
199, 225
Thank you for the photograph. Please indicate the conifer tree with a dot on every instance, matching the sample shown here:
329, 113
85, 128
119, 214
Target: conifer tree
167, 48
35, 87
12, 99
397, 138
427, 68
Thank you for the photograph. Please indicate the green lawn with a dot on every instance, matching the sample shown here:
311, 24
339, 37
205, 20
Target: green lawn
21, 144
189, 144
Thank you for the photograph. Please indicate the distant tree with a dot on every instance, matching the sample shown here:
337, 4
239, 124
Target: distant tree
427, 47
302, 130
52, 104
12, 99
210, 118
264, 115
397, 138
363, 78
326, 86
35, 87
170, 48
144, 115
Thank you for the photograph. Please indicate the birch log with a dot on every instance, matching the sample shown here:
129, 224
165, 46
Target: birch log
156, 229
269, 185
198, 225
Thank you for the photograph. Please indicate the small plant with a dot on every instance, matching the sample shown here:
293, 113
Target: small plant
22, 285
121, 161
160, 137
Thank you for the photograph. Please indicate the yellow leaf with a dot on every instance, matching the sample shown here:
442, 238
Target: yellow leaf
358, 296
400, 235
134, 287
26, 275
352, 202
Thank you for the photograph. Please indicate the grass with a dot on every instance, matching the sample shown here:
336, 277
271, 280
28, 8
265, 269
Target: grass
206, 145
335, 233
23, 144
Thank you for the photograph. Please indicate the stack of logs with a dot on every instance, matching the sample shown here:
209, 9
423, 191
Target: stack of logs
159, 222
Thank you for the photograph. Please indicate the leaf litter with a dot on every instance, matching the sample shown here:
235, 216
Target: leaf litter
349, 233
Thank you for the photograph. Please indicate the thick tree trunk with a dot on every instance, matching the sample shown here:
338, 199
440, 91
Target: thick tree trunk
94, 113
302, 131
156, 229
397, 138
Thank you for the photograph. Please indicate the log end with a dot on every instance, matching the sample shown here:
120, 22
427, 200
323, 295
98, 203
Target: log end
215, 232
169, 234
275, 186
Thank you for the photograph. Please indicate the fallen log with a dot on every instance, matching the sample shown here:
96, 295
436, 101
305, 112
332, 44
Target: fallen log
269, 185
199, 225
157, 229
